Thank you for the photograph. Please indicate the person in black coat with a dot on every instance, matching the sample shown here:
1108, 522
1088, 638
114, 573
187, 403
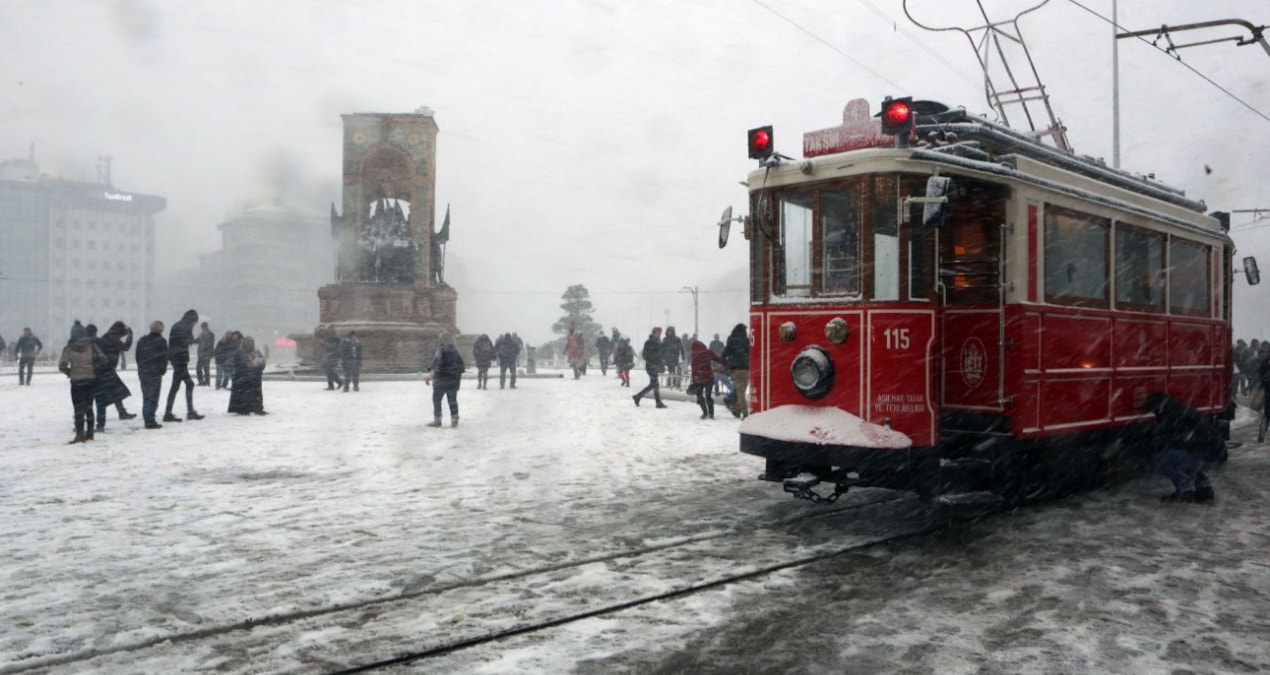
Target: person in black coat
603, 348
653, 364
736, 358
27, 348
672, 352
223, 355
624, 360
180, 339
1189, 443
206, 342
508, 351
351, 360
331, 348
447, 372
246, 396
111, 390
484, 354
152, 363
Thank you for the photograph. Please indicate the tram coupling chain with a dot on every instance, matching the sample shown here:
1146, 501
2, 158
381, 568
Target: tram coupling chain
801, 487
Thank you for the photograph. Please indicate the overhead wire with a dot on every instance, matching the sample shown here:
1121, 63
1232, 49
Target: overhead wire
1178, 58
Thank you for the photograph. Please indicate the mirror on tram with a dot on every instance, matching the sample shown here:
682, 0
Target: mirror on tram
725, 223
1251, 273
935, 206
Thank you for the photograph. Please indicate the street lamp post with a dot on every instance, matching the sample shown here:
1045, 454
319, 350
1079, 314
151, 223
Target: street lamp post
693, 291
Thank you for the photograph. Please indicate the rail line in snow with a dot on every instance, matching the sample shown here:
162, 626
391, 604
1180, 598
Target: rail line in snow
257, 637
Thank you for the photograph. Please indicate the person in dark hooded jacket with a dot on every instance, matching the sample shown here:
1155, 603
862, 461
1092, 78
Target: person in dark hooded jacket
484, 354
180, 338
1189, 443
736, 358
447, 372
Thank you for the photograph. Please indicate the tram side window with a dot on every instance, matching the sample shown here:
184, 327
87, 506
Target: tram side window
1188, 278
840, 219
1139, 269
1076, 246
794, 276
886, 239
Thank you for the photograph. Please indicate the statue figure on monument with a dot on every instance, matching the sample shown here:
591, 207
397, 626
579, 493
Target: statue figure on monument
438, 251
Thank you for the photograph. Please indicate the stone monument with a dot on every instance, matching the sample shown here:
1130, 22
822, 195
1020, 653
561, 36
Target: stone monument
389, 282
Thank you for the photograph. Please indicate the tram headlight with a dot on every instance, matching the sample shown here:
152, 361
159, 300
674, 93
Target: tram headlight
812, 372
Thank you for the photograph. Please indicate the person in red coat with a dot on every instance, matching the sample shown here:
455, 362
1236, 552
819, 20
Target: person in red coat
702, 361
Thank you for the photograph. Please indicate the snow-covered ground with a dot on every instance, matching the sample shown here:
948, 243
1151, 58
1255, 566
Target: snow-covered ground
287, 543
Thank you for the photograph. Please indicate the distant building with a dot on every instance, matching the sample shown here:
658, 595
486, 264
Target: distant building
263, 280
72, 250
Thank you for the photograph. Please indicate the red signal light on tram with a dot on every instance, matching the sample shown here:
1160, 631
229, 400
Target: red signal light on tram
897, 116
761, 142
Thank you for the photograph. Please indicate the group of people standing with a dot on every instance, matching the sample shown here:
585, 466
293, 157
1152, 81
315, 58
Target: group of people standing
346, 354
91, 362
661, 354
505, 350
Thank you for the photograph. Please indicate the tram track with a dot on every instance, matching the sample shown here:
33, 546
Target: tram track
487, 609
822, 553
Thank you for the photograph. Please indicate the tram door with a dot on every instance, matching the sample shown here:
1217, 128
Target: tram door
970, 272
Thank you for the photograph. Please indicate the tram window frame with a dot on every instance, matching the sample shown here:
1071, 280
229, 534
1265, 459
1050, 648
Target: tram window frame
1187, 282
1139, 268
871, 211
1072, 235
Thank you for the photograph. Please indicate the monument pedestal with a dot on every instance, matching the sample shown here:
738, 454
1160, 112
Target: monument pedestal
397, 324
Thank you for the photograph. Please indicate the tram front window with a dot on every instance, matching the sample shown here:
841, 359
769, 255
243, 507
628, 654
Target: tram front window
840, 219
796, 244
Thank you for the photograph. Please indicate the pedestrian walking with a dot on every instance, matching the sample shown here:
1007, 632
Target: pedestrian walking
331, 348
672, 352
27, 348
79, 361
1262, 375
206, 342
507, 351
483, 354
351, 360
736, 357
574, 351
152, 363
624, 360
223, 355
247, 397
603, 349
111, 390
653, 364
446, 374
702, 362
180, 339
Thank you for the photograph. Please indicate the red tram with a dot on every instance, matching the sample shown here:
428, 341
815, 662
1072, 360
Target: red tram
942, 304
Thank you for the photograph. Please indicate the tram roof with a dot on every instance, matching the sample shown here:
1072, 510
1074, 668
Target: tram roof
968, 144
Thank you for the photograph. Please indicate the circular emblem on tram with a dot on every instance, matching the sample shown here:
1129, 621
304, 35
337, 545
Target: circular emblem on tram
414, 139
973, 360
359, 138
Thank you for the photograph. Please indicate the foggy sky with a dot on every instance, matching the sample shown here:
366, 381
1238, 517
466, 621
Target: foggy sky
591, 142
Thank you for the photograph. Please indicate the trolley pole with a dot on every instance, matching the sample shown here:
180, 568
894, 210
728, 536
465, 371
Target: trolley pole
693, 290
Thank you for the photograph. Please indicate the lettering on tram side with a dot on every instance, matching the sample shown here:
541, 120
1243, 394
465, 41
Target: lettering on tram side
899, 404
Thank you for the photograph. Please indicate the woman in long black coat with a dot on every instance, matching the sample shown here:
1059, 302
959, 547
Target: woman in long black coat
111, 390
246, 396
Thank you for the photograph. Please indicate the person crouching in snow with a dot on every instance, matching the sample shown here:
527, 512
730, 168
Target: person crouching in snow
447, 372
1190, 442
